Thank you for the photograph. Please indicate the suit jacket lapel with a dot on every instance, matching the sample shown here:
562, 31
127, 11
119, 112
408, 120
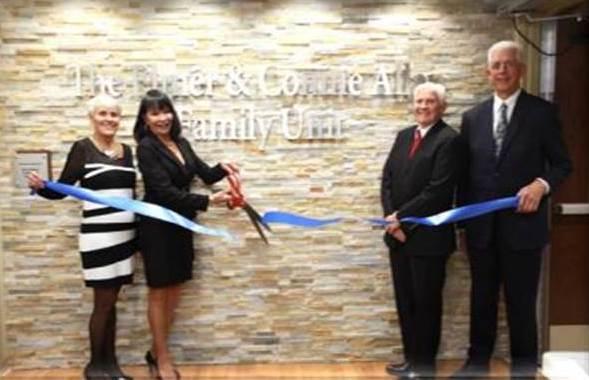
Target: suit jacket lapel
184, 149
435, 128
486, 125
168, 154
409, 141
430, 136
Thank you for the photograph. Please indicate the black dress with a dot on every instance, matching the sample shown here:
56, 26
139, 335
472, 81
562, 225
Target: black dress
167, 249
107, 235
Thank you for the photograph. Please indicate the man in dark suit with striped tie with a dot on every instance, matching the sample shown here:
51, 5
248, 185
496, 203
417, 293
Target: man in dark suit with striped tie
511, 144
418, 180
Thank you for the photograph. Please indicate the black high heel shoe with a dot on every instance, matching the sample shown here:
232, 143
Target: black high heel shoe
151, 363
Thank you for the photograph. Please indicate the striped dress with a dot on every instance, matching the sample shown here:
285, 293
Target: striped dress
107, 239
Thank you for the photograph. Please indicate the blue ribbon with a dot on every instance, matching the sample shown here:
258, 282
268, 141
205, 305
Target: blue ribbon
138, 207
161, 213
296, 220
450, 216
465, 212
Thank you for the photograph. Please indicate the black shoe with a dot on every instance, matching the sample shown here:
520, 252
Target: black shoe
113, 369
151, 363
397, 368
472, 370
412, 375
95, 372
116, 373
523, 372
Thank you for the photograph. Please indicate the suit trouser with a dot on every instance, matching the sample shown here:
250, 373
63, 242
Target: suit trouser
519, 272
418, 283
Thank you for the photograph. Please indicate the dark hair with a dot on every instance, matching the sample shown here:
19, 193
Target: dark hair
158, 100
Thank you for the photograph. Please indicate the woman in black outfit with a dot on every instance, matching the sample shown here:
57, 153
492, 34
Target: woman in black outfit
168, 165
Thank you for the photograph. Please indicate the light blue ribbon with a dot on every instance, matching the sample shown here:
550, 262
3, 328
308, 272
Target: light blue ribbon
161, 213
296, 220
450, 216
138, 207
465, 212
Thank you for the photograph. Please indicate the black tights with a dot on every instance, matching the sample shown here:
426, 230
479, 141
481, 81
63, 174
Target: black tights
102, 328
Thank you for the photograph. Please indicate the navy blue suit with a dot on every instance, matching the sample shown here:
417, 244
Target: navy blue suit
505, 247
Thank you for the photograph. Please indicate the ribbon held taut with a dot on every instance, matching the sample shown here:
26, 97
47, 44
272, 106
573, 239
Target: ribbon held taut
143, 208
161, 213
450, 216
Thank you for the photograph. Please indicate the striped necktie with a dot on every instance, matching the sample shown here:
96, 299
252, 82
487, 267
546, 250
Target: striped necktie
501, 129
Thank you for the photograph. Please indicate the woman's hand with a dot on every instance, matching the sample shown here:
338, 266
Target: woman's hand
230, 167
34, 181
220, 198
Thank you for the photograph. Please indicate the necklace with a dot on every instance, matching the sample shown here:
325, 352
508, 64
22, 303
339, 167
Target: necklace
111, 151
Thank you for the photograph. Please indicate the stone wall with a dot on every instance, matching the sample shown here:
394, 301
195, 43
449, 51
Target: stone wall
311, 295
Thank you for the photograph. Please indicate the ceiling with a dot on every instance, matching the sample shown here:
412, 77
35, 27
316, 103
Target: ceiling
539, 8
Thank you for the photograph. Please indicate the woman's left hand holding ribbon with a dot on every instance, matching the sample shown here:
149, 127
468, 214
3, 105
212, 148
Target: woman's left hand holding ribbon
35, 181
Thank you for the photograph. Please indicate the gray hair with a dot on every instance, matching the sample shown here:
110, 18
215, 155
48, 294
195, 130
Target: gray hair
436, 88
505, 45
102, 100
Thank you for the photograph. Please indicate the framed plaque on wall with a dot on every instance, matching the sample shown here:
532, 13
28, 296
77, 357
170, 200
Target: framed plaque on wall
31, 160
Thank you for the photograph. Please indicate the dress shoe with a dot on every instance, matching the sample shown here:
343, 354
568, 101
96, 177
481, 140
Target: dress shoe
95, 372
397, 368
412, 375
524, 372
472, 370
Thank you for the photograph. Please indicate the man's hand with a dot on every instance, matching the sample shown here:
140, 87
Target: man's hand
530, 197
394, 228
399, 235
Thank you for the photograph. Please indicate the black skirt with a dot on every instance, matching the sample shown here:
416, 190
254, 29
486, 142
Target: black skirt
167, 250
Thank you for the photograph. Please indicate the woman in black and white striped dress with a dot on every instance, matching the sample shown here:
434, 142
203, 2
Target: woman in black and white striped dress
107, 235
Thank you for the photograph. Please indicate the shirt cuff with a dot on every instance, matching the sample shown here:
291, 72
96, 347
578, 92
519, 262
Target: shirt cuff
546, 185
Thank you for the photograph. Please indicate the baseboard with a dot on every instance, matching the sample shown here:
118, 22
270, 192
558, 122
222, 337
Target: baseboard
569, 338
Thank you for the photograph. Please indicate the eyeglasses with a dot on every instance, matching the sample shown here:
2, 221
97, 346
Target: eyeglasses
508, 65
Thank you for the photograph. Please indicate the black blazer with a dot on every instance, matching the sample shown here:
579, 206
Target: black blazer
533, 147
421, 186
167, 180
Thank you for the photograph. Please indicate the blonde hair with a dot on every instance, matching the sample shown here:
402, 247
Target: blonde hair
505, 45
102, 100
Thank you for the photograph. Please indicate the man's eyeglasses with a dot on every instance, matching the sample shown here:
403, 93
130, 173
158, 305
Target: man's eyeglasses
508, 65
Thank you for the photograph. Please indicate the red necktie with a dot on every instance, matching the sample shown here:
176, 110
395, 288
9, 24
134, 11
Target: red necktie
415, 144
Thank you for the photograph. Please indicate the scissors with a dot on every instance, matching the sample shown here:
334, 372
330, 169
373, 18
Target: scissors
238, 200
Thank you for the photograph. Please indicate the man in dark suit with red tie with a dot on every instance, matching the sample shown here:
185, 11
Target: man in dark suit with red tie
419, 180
511, 144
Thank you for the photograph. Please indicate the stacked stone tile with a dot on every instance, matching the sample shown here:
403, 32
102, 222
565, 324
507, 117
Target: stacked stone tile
319, 295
